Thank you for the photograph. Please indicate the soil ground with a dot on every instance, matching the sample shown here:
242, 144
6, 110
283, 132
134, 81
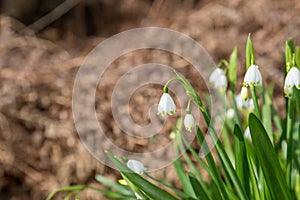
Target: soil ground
39, 147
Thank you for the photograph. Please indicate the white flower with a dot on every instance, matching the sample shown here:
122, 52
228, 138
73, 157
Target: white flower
244, 93
247, 133
253, 76
166, 105
230, 113
248, 104
215, 75
219, 80
136, 166
172, 135
292, 79
189, 122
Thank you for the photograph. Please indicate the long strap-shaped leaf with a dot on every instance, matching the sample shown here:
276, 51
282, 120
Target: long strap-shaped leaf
209, 158
241, 164
197, 187
148, 188
268, 160
220, 149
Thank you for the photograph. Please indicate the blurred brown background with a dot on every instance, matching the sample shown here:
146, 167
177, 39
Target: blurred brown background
40, 55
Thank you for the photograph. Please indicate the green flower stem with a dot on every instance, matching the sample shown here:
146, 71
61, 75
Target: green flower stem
289, 129
255, 100
188, 110
227, 140
223, 62
224, 156
251, 164
222, 153
200, 161
223, 99
212, 164
166, 90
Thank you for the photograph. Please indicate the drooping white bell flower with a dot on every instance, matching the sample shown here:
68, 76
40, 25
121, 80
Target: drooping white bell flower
172, 135
166, 105
136, 166
244, 93
241, 104
221, 84
215, 75
230, 113
292, 79
189, 122
253, 76
219, 80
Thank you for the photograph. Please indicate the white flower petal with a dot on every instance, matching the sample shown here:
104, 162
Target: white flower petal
221, 84
172, 135
248, 104
292, 79
244, 93
219, 80
239, 101
230, 113
214, 77
253, 76
136, 166
166, 105
189, 122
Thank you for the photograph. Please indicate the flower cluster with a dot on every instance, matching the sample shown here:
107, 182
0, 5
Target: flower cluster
166, 105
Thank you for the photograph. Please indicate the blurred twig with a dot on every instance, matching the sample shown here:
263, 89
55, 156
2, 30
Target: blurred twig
47, 19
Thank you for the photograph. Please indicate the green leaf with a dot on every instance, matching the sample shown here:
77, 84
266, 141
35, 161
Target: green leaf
215, 193
179, 193
72, 188
232, 69
142, 184
289, 138
297, 56
267, 115
69, 196
249, 53
105, 181
297, 96
289, 51
198, 189
185, 183
268, 159
199, 160
210, 160
241, 164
